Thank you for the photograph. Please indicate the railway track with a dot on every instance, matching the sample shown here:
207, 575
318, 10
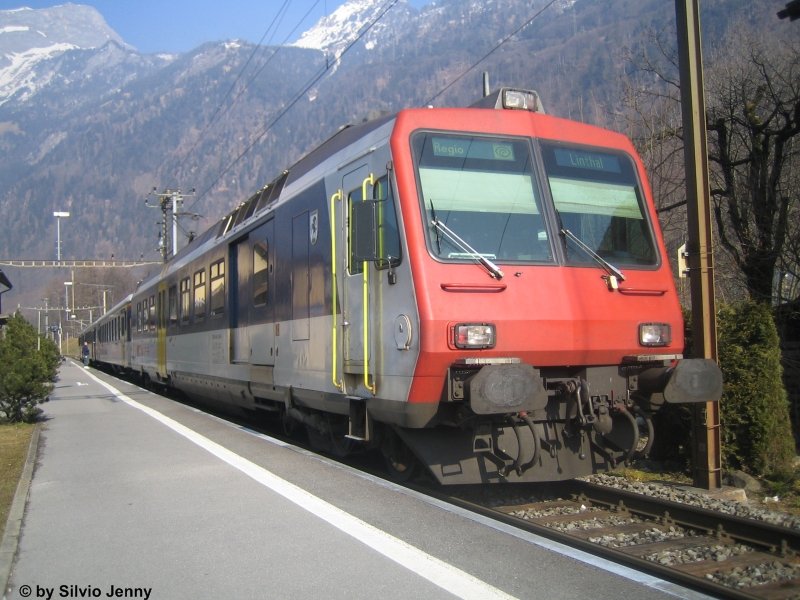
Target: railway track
718, 554
706, 550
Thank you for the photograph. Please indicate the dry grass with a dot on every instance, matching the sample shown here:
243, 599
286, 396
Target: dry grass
14, 442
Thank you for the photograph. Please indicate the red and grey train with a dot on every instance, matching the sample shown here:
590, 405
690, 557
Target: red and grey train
483, 291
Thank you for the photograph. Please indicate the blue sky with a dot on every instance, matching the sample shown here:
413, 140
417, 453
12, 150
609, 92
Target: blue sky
180, 25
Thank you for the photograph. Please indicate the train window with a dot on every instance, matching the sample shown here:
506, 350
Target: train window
263, 197
186, 300
138, 316
598, 199
151, 320
354, 267
200, 294
480, 198
217, 276
173, 305
272, 191
388, 233
226, 223
245, 210
260, 272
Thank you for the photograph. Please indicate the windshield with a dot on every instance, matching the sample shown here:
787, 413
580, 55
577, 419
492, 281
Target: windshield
481, 189
597, 197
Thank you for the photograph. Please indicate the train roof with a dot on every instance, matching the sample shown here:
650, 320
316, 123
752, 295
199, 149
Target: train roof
341, 139
503, 98
271, 192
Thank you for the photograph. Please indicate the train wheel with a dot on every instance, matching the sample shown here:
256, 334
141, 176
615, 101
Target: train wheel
400, 462
342, 447
339, 445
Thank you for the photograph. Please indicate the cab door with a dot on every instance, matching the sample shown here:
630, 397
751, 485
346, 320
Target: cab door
358, 283
353, 291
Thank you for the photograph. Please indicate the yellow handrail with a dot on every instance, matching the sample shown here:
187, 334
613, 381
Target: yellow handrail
336, 197
369, 180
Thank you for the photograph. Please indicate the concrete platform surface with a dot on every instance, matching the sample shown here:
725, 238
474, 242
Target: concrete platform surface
137, 496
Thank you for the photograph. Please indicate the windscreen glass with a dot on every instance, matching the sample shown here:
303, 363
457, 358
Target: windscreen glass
480, 197
598, 199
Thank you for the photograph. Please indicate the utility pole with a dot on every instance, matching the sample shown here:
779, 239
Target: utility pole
169, 202
706, 451
59, 215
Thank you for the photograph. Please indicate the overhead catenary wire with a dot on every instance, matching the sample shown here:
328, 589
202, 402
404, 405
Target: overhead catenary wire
221, 107
492, 51
295, 99
330, 64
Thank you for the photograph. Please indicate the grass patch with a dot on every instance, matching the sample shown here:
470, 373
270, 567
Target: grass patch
646, 474
14, 442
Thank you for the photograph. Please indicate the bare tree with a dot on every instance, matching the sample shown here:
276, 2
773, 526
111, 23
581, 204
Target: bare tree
753, 122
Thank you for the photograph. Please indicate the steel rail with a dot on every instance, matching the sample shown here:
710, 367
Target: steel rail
718, 524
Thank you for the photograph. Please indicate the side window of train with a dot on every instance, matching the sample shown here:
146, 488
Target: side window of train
151, 320
217, 280
173, 305
388, 236
186, 300
200, 294
260, 272
388, 233
354, 267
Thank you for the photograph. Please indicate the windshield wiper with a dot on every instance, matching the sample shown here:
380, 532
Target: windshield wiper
451, 235
438, 239
613, 272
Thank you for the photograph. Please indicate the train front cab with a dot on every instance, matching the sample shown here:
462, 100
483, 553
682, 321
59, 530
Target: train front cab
548, 329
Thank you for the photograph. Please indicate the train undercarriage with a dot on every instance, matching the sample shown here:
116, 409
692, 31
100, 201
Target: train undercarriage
510, 422
500, 422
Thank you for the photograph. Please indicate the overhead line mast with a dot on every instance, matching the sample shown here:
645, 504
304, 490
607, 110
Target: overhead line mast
169, 201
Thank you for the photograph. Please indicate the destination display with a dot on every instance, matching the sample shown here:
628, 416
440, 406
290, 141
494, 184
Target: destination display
472, 148
579, 159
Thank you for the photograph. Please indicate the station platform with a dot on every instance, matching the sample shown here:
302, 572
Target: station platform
136, 496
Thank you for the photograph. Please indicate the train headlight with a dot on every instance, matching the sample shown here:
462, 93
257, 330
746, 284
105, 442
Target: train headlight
474, 335
522, 100
655, 334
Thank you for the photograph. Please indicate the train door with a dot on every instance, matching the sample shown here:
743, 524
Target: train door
241, 268
253, 314
261, 313
161, 331
352, 298
301, 276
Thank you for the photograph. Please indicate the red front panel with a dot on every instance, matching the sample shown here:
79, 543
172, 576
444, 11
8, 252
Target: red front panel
551, 315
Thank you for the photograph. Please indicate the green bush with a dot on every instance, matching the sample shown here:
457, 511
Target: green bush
26, 372
756, 429
756, 432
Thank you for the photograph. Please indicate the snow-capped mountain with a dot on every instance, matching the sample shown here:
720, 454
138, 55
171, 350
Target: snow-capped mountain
334, 33
30, 37
89, 125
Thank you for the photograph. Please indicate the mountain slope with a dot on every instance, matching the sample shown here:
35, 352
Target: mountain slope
91, 126
334, 33
29, 38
